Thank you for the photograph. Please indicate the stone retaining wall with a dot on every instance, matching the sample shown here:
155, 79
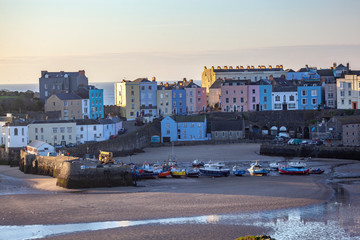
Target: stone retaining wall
286, 150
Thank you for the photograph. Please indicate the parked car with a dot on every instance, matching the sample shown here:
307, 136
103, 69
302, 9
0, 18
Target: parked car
122, 131
294, 141
113, 136
71, 145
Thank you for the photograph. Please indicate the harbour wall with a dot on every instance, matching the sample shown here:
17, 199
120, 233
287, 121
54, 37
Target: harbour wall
286, 150
74, 172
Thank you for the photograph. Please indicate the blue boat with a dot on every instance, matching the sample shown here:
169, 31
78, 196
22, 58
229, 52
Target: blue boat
238, 172
214, 170
257, 170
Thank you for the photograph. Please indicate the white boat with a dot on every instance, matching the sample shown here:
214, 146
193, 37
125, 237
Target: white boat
215, 169
297, 164
275, 165
256, 169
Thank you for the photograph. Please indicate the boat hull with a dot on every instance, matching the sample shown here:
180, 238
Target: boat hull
214, 173
178, 174
239, 172
294, 171
164, 174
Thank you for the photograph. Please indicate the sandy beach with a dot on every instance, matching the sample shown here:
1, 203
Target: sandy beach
30, 199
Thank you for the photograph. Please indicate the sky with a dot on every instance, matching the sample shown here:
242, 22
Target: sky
171, 39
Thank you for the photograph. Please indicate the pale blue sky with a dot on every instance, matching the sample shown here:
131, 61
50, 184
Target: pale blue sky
172, 39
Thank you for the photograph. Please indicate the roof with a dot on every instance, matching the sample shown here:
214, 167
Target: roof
191, 84
226, 125
141, 80
51, 121
106, 121
61, 74
310, 83
191, 118
325, 72
36, 144
289, 70
351, 72
68, 96
250, 70
87, 121
354, 119
217, 84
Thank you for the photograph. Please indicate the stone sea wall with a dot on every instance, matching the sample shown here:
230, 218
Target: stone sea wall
310, 151
74, 172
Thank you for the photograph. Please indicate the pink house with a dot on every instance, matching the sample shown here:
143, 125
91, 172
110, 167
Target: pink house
201, 99
254, 97
196, 100
234, 96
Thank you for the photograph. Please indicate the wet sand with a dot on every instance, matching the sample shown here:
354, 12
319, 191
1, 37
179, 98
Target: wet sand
165, 198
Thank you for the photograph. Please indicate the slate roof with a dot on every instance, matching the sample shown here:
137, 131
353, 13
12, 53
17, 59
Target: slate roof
61, 74
310, 83
351, 72
68, 96
217, 84
87, 121
249, 70
141, 80
51, 121
191, 118
226, 126
325, 72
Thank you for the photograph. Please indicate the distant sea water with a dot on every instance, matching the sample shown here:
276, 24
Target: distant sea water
109, 89
109, 92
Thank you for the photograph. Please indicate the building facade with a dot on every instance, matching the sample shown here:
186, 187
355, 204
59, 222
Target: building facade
265, 96
61, 82
284, 98
234, 96
309, 95
15, 134
178, 98
253, 98
249, 73
60, 132
70, 105
351, 134
348, 92
96, 103
147, 96
215, 93
164, 100
127, 96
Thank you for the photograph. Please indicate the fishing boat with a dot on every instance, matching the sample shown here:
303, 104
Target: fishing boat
297, 164
214, 170
177, 172
256, 169
237, 171
164, 174
192, 172
317, 171
275, 166
197, 163
294, 170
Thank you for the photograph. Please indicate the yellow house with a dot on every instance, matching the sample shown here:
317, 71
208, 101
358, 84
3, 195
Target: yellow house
70, 105
127, 96
53, 132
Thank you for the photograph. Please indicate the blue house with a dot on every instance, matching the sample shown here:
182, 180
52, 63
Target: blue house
307, 73
309, 95
178, 99
96, 102
265, 91
183, 128
147, 96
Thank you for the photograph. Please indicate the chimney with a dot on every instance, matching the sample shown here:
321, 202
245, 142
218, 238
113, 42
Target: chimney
348, 66
205, 67
281, 66
161, 83
218, 67
82, 72
212, 67
248, 67
167, 84
184, 80
191, 80
259, 67
230, 67
237, 67
153, 79
252, 67
43, 73
225, 67
270, 67
241, 67
277, 66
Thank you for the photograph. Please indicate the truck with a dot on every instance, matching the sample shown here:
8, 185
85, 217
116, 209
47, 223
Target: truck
106, 157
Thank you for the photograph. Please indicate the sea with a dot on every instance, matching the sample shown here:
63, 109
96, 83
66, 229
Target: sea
109, 92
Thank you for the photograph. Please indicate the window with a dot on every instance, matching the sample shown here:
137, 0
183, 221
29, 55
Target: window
313, 93
264, 90
63, 137
132, 93
53, 104
292, 98
191, 100
192, 124
69, 129
199, 100
54, 130
253, 99
94, 128
234, 100
303, 93
303, 101
330, 95
342, 84
36, 130
42, 130
291, 105
241, 100
167, 125
331, 88
174, 95
149, 88
265, 108
277, 98
142, 88
277, 106
265, 99
199, 124
22, 131
253, 91
342, 101
168, 132
349, 93
342, 93
42, 137
349, 85
227, 100
65, 103
313, 101
81, 128
70, 137
226, 92
161, 95
36, 137
349, 101
62, 129
331, 102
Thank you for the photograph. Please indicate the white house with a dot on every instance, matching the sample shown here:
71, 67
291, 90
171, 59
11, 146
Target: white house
85, 108
285, 98
88, 130
40, 148
118, 123
109, 128
16, 134
3, 121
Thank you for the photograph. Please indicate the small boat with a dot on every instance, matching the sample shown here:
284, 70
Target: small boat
215, 170
197, 163
164, 174
193, 172
147, 168
256, 169
141, 174
297, 164
294, 170
177, 172
317, 171
275, 166
237, 171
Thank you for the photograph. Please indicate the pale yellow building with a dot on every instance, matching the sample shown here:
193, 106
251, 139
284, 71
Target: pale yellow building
348, 92
254, 74
60, 132
215, 93
164, 100
70, 105
127, 96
